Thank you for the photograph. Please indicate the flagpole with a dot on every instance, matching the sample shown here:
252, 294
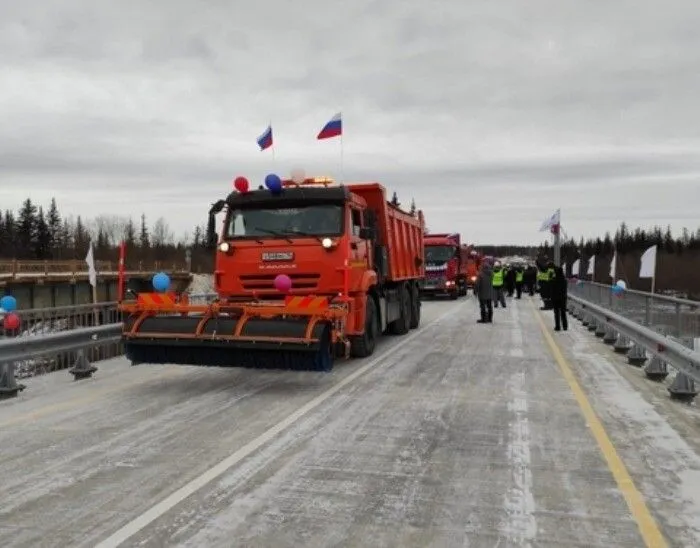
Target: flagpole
342, 172
273, 145
557, 242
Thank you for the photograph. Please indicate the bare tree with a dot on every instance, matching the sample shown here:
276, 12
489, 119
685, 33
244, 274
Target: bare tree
162, 235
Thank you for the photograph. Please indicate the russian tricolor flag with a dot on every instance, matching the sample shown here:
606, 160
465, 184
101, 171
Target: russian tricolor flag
333, 128
265, 140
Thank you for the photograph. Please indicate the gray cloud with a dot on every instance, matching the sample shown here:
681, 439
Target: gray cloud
490, 114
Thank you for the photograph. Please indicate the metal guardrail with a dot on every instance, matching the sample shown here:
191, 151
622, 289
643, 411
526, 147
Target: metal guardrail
637, 323
22, 348
16, 269
68, 343
668, 315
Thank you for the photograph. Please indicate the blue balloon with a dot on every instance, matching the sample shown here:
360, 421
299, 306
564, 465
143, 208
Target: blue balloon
274, 183
161, 282
617, 289
8, 303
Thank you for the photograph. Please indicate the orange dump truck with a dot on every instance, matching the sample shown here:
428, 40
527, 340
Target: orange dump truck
305, 273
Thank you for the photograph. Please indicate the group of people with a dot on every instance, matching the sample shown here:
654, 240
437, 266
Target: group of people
494, 282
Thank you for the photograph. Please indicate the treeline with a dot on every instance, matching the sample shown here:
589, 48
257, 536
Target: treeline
678, 257
38, 233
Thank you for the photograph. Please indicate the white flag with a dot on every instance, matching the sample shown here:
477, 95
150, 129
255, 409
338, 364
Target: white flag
591, 266
551, 221
613, 266
648, 266
576, 267
92, 273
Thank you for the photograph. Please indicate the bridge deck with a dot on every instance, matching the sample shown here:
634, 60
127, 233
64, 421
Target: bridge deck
458, 434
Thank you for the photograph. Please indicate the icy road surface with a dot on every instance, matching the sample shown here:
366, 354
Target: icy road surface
456, 435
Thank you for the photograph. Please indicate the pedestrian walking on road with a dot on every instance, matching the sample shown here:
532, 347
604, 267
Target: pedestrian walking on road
559, 289
497, 283
483, 290
519, 281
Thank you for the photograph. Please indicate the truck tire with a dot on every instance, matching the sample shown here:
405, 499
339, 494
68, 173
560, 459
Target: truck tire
415, 307
364, 345
402, 325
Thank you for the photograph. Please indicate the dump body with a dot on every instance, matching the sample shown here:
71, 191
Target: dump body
303, 275
400, 232
446, 265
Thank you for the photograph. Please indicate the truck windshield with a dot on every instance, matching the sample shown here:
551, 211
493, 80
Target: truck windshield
439, 253
311, 220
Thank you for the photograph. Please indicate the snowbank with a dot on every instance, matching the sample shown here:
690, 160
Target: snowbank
201, 283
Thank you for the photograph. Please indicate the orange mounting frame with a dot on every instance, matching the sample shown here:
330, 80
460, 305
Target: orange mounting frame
317, 309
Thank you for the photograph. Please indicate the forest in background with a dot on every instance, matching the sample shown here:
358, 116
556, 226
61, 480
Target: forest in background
36, 232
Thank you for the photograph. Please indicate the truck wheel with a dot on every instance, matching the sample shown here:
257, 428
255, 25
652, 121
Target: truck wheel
402, 325
363, 346
415, 308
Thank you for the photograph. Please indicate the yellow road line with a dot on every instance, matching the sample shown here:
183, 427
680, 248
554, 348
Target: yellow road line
651, 534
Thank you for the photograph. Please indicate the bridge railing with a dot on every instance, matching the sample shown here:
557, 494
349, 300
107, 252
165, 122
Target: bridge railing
657, 329
14, 269
46, 340
672, 316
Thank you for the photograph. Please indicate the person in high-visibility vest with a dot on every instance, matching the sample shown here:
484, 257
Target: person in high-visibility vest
519, 279
497, 281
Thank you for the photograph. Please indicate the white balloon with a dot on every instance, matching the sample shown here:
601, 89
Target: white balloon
298, 176
621, 283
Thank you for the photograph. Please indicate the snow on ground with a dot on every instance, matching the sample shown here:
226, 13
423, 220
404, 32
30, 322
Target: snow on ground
201, 283
654, 449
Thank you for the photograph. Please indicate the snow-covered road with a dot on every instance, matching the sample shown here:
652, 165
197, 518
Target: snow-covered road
457, 434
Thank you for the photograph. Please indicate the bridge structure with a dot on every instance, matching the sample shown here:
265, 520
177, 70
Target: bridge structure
503, 434
51, 284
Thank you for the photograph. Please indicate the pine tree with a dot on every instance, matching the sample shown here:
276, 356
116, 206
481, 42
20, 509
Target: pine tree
130, 234
53, 222
144, 240
42, 245
26, 230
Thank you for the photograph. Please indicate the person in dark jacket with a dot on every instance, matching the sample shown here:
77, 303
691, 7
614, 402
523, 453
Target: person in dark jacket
558, 288
483, 289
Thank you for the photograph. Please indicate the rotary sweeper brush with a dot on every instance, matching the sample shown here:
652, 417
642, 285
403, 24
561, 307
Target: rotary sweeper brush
296, 334
306, 271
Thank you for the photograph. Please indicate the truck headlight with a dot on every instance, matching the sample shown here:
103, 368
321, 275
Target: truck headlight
224, 247
327, 243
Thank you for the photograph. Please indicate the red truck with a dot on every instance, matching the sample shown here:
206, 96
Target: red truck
305, 273
446, 266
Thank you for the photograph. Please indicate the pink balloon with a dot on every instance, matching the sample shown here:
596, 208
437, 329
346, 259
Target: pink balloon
283, 283
11, 322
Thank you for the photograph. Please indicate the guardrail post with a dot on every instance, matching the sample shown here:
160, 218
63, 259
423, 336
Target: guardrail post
683, 387
622, 345
8, 384
610, 336
600, 330
592, 323
636, 356
82, 368
656, 369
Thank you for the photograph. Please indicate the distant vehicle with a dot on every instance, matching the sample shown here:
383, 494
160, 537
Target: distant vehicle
446, 266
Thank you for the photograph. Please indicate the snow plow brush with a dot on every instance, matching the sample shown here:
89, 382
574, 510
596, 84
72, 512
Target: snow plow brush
300, 333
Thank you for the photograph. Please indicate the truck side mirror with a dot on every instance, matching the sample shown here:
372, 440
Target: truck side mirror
366, 233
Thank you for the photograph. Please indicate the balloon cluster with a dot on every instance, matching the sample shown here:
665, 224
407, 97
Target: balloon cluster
273, 182
161, 282
11, 320
619, 287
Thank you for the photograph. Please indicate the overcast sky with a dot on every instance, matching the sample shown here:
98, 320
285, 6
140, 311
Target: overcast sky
491, 114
